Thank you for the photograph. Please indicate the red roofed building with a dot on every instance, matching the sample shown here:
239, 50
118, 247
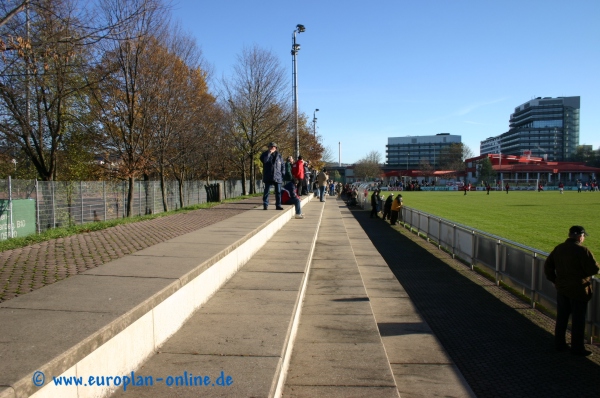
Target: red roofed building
532, 168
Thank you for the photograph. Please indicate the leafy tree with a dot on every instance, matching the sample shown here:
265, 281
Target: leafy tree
486, 172
586, 154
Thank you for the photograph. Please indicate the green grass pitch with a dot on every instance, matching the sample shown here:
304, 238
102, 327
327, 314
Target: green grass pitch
537, 219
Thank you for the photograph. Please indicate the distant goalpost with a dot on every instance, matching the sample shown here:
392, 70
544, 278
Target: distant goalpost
521, 184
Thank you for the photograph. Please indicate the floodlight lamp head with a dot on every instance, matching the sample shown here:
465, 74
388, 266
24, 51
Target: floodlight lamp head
296, 47
300, 28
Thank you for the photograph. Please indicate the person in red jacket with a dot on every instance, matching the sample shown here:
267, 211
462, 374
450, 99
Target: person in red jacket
298, 173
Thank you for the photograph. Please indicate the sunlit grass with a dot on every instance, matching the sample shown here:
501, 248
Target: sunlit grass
537, 219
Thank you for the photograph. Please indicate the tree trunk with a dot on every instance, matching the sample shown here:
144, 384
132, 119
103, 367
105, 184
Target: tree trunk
163, 192
244, 192
252, 174
130, 196
181, 198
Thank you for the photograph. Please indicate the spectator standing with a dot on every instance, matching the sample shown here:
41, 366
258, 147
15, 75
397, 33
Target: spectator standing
322, 178
570, 267
374, 203
387, 207
306, 180
273, 172
289, 162
298, 173
396, 209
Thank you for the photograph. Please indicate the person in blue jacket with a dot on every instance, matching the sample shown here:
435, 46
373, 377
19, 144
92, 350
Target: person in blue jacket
273, 172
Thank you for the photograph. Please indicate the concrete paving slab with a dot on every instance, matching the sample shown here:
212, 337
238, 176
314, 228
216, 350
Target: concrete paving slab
426, 380
415, 349
336, 304
147, 266
292, 264
186, 249
96, 294
351, 288
392, 291
265, 281
24, 344
339, 364
230, 334
295, 391
337, 263
250, 376
355, 329
393, 306
320, 274
267, 302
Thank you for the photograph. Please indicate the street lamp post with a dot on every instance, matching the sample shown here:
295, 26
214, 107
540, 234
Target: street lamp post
295, 49
315, 122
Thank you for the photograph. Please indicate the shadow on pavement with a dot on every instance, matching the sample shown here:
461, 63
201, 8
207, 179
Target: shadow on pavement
498, 348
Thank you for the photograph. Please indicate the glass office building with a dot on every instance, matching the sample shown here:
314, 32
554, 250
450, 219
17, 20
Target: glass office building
548, 127
411, 151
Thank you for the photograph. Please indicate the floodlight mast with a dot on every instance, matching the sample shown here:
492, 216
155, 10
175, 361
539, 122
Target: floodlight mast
295, 48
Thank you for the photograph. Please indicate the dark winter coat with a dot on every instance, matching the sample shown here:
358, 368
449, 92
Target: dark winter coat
273, 167
570, 267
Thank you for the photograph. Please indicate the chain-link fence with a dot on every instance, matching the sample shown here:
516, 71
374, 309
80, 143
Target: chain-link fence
66, 203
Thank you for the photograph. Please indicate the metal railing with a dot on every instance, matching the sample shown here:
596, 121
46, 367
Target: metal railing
66, 203
516, 265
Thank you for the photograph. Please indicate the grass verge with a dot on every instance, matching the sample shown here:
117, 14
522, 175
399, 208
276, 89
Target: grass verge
63, 232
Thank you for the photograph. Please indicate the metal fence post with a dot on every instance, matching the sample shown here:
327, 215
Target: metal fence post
53, 205
497, 272
10, 209
37, 207
139, 197
473, 249
533, 279
81, 198
439, 233
104, 197
453, 238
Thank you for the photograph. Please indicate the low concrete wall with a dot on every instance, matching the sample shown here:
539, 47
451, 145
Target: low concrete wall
123, 344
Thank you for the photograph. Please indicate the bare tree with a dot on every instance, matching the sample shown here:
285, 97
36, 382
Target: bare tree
257, 101
123, 104
39, 78
369, 167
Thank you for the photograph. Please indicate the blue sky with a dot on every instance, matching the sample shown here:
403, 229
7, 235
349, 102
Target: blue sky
382, 69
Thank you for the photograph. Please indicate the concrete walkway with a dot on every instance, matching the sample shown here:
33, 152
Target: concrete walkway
324, 271
260, 304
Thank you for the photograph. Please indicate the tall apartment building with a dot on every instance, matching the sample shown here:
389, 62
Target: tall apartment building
543, 127
408, 152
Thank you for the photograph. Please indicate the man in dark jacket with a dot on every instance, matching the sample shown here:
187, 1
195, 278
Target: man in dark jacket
288, 169
273, 172
570, 267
